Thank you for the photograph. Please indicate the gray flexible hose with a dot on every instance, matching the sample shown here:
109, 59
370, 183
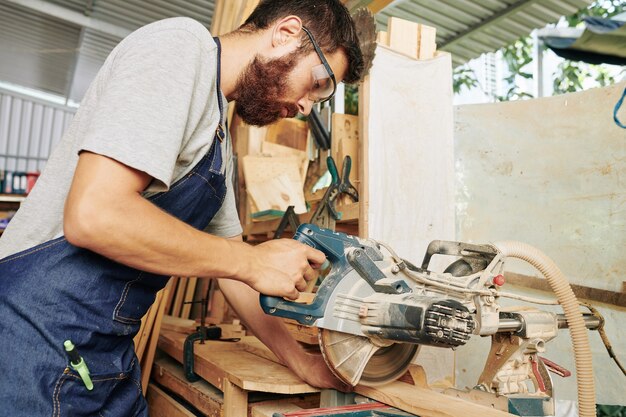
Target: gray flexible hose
578, 330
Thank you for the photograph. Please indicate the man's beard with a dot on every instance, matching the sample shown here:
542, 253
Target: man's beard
260, 90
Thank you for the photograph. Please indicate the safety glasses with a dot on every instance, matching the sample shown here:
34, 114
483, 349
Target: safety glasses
324, 82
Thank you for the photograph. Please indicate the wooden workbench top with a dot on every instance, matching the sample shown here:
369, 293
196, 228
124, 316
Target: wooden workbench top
216, 361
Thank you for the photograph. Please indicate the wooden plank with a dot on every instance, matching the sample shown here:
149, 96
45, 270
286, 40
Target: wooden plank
580, 291
427, 38
218, 361
189, 293
426, 402
382, 38
268, 410
180, 296
162, 405
147, 328
203, 396
146, 361
364, 194
137, 338
403, 36
217, 17
170, 295
177, 324
235, 400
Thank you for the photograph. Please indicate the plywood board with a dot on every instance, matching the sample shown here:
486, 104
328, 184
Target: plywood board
274, 149
288, 132
274, 183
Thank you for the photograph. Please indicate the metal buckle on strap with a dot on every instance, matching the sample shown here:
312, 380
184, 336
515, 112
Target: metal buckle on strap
220, 133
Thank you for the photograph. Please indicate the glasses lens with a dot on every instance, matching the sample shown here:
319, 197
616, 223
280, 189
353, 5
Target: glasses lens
323, 85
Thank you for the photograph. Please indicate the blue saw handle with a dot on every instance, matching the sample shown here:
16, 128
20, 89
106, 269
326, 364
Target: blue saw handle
333, 245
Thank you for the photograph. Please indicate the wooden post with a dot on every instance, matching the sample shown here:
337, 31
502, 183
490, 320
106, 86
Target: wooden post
235, 400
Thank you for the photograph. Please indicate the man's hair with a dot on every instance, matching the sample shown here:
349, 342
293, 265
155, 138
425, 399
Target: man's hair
328, 20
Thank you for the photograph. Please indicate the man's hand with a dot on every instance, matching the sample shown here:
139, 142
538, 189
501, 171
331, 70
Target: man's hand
282, 267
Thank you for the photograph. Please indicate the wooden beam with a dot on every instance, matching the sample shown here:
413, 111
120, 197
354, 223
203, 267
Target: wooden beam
426, 402
235, 400
580, 291
203, 396
162, 405
375, 6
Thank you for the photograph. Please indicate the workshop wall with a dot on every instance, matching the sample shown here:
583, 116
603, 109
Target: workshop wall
29, 129
550, 173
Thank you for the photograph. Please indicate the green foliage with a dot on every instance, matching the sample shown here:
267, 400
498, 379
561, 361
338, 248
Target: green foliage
570, 75
611, 410
517, 56
352, 99
463, 76
601, 8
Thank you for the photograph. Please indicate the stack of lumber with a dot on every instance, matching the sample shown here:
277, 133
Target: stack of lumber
414, 40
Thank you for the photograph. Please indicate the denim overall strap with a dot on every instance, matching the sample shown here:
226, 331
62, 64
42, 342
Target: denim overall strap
56, 291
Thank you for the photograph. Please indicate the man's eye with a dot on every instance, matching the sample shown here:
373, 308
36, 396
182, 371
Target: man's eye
316, 85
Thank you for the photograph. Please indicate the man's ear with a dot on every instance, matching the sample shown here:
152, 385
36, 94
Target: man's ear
286, 32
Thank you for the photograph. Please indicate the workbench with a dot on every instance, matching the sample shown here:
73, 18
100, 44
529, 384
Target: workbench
236, 373
243, 370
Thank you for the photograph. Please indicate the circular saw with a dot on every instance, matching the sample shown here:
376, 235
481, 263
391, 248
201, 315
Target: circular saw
371, 312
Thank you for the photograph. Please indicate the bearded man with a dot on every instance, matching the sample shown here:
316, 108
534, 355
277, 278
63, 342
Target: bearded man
140, 189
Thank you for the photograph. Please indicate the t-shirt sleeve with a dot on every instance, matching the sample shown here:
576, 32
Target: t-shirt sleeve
226, 222
143, 105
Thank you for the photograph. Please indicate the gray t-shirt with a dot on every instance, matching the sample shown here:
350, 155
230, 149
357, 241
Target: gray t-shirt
153, 107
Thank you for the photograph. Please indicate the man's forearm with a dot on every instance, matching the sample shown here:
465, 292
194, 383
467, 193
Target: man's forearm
270, 330
136, 233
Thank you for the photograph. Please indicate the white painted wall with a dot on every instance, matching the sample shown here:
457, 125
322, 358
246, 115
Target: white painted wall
551, 173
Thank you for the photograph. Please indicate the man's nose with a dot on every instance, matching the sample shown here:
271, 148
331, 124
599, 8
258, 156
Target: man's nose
305, 105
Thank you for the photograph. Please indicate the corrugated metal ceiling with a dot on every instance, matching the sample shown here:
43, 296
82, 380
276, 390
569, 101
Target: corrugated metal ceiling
469, 28
54, 53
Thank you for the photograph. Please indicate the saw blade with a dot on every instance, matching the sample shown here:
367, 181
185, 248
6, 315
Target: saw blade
361, 360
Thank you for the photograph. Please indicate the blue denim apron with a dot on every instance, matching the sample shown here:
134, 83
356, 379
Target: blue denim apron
56, 291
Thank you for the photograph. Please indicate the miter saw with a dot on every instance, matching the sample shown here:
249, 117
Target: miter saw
374, 310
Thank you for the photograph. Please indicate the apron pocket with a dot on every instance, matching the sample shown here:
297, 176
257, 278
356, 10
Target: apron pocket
137, 297
113, 394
